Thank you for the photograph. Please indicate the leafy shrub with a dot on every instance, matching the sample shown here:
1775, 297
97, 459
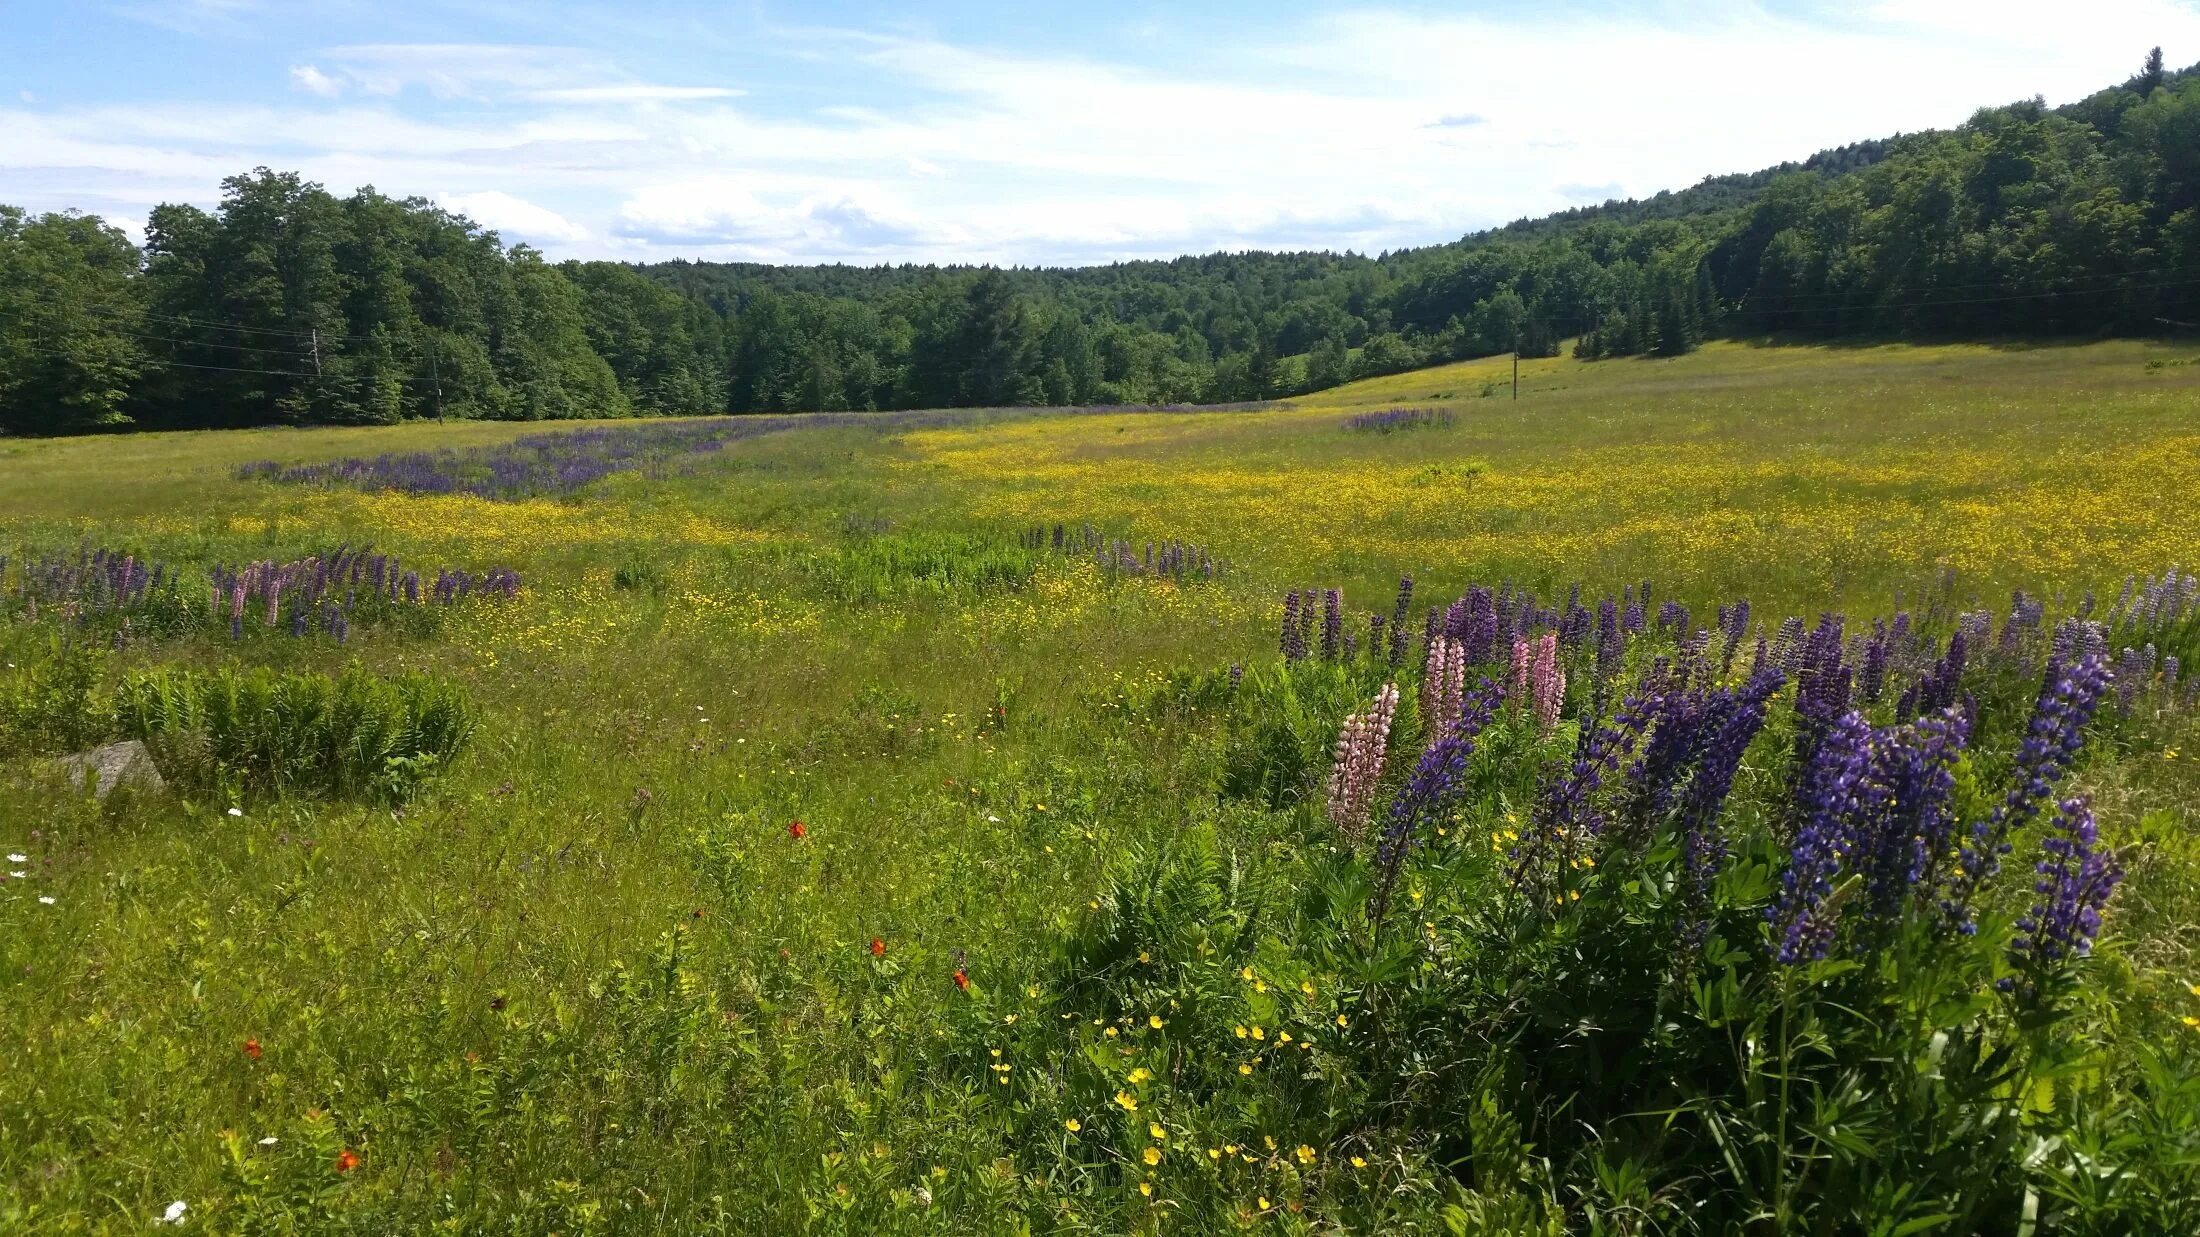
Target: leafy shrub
1283, 721
638, 573
53, 704
897, 565
355, 734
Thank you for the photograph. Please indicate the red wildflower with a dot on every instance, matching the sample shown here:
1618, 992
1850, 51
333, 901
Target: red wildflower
962, 979
797, 831
346, 1160
252, 1049
878, 948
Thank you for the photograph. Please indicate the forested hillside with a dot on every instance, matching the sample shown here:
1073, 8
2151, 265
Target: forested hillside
291, 305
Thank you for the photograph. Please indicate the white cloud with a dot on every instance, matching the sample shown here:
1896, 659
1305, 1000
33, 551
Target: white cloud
314, 81
633, 94
515, 219
1366, 129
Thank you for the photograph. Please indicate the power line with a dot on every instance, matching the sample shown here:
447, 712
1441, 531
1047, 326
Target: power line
165, 364
233, 326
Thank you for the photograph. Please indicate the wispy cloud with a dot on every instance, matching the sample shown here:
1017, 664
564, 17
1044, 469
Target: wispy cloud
1365, 128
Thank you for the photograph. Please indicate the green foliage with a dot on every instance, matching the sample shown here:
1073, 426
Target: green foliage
68, 358
266, 732
896, 565
55, 703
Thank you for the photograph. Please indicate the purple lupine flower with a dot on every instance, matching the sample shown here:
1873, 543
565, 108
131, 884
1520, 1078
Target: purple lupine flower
1567, 816
1289, 645
1574, 621
1332, 624
1429, 793
1703, 849
2076, 881
2075, 639
1398, 622
1900, 845
1938, 687
1237, 676
2134, 669
1477, 631
1633, 606
1673, 616
1835, 792
1872, 674
1821, 694
1734, 622
1787, 645
1611, 640
2025, 616
2052, 741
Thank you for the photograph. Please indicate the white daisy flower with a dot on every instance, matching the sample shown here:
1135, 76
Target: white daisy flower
15, 858
46, 899
174, 1214
236, 811
20, 875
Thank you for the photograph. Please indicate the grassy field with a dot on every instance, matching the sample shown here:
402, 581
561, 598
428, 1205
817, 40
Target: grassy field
590, 978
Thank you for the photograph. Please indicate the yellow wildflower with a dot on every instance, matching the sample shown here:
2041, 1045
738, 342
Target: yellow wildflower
1305, 1154
1152, 1156
1127, 1100
1154, 1128
1073, 1125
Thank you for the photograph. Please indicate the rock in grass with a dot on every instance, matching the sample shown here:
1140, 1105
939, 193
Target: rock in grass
117, 764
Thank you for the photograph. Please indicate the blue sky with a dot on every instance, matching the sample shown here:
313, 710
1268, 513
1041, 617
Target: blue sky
1029, 133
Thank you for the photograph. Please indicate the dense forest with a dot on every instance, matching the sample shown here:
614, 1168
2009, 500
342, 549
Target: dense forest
290, 305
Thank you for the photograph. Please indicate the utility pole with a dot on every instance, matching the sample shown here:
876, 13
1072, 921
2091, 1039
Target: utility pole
316, 351
1516, 365
435, 375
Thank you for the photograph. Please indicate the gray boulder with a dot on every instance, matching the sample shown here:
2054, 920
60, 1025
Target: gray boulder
117, 764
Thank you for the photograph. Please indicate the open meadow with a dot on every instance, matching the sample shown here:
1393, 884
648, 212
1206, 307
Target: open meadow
926, 821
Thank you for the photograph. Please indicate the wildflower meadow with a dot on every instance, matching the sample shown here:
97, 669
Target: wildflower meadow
1748, 792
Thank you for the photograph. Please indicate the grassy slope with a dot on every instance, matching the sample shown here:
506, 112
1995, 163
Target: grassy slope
495, 919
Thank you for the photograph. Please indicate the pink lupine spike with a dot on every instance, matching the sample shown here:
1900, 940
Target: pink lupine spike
1358, 764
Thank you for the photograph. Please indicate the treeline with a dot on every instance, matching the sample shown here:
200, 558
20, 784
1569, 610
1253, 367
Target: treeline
290, 305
